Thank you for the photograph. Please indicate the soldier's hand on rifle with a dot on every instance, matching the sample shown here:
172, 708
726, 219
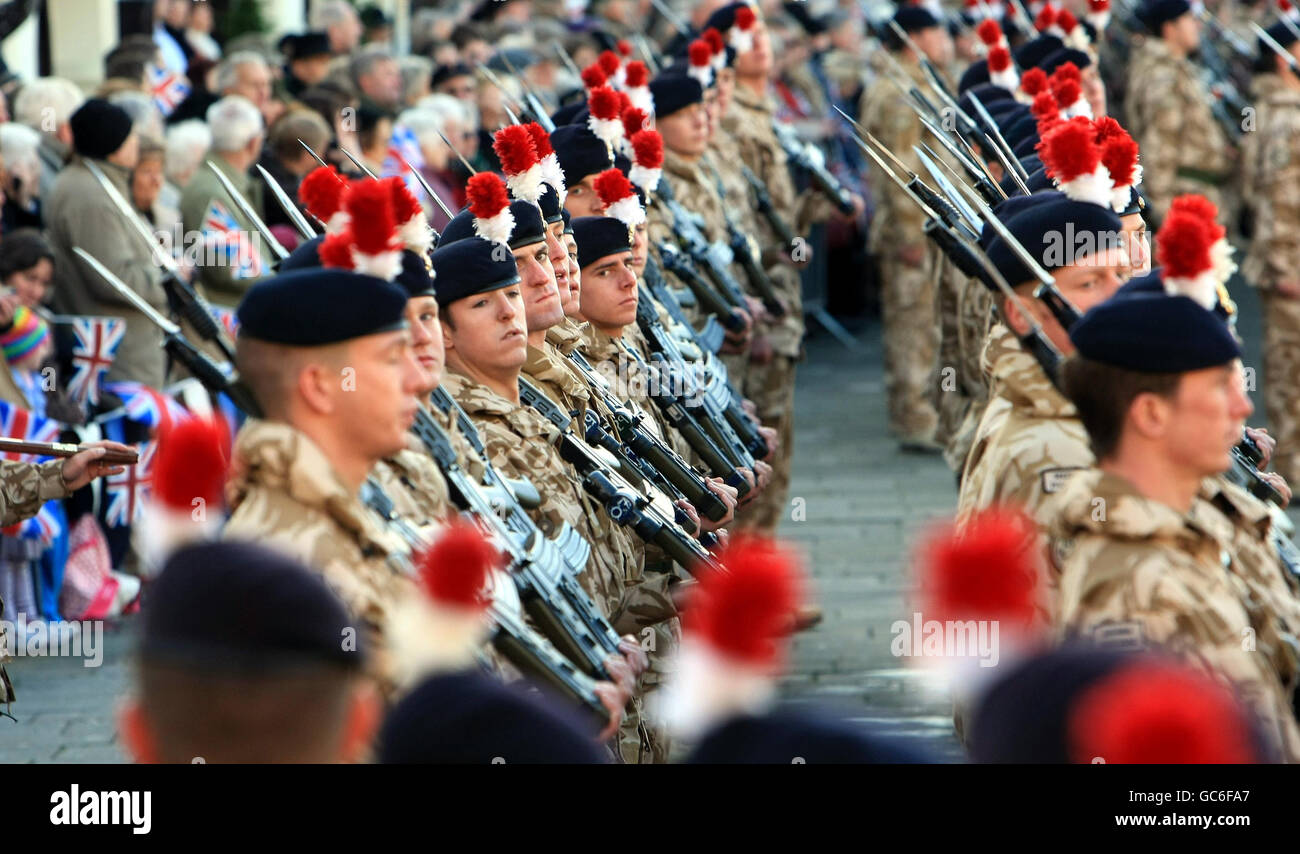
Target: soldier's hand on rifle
1289, 288
734, 342
727, 494
634, 655
1279, 483
773, 440
613, 698
756, 308
689, 509
912, 256
762, 475
761, 351
1267, 444
81, 468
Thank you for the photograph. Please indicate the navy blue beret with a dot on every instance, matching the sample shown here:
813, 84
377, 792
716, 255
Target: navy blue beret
1154, 333
467, 718
976, 75
471, 266
414, 277
1026, 147
1054, 232
313, 307
1153, 283
989, 95
239, 607
1011, 207
1035, 50
598, 236
1154, 14
817, 739
568, 114
305, 254
528, 226
580, 152
550, 204
913, 19
675, 91
1056, 59
1037, 182
1283, 35
725, 18
568, 221
1136, 202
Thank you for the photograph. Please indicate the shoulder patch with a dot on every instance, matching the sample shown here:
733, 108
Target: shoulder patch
1055, 479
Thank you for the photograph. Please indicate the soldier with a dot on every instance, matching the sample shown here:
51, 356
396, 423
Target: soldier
1273, 262
778, 345
241, 660
1142, 557
233, 256
1168, 112
582, 156
909, 268
79, 213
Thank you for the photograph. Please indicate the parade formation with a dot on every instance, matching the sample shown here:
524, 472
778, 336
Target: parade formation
463, 374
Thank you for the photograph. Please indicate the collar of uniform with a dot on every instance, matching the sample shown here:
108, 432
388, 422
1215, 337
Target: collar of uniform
1159, 52
1020, 379
566, 335
479, 400
277, 456
1237, 504
749, 99
547, 366
678, 166
600, 346
1103, 503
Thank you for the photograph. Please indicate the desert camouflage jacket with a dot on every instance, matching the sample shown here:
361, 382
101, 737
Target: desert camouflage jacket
1136, 574
1271, 185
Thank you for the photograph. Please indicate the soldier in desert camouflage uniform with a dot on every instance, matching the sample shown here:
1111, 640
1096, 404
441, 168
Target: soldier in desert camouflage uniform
910, 266
1168, 112
1271, 186
1141, 554
25, 487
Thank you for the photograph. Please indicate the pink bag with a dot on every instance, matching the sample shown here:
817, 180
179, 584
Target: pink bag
89, 587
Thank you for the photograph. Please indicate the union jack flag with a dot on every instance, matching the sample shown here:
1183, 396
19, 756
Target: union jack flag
148, 406
18, 423
168, 89
234, 246
97, 340
404, 146
128, 492
226, 317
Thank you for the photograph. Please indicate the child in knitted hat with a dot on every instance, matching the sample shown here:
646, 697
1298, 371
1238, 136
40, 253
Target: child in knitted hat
26, 345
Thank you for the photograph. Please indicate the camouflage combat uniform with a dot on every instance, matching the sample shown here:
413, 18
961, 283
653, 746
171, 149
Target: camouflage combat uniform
1137, 574
1184, 149
416, 486
908, 292
1272, 171
24, 487
974, 320
770, 386
284, 494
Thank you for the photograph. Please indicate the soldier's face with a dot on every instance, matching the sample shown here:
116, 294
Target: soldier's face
542, 306
609, 291
686, 132
1205, 417
582, 199
756, 62
640, 243
1092, 280
380, 406
1185, 32
489, 332
426, 338
559, 256
1139, 245
936, 44
1093, 90
573, 304
726, 83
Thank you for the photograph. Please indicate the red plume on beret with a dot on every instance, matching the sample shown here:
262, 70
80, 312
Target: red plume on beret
1046, 18
612, 186
1183, 245
1152, 713
412, 227
1033, 81
989, 570
633, 120
593, 76
515, 149
699, 52
490, 204
1107, 127
191, 462
1045, 107
374, 226
1066, 21
603, 103
1067, 92
1119, 154
550, 164
745, 17
541, 139
336, 250
624, 47
636, 74
454, 570
1071, 155
989, 32
609, 62
648, 148
1066, 71
714, 40
1199, 207
1101, 5
745, 612
321, 192
999, 60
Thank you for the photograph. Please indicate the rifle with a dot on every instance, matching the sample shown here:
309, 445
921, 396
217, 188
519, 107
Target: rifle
286, 204
808, 157
680, 265
713, 258
187, 301
175, 343
763, 201
516, 642
710, 338
624, 505
65, 449
742, 252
